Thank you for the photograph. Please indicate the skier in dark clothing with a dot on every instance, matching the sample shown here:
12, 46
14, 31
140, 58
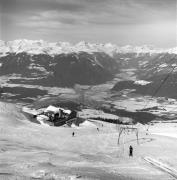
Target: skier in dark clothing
73, 134
130, 151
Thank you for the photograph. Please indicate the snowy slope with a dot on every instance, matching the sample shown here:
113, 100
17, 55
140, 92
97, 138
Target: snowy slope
32, 151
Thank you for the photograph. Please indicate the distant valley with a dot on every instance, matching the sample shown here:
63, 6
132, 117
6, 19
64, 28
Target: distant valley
38, 63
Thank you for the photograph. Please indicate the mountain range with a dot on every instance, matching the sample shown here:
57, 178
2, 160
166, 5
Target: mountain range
63, 64
43, 47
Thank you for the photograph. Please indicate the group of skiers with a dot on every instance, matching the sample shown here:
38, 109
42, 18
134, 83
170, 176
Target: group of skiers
130, 147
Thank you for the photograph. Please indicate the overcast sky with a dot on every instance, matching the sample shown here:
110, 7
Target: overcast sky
134, 22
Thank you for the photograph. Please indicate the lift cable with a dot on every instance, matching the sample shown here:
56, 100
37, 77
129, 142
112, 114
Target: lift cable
162, 83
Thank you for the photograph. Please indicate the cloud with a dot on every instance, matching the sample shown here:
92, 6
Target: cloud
76, 6
92, 18
40, 5
98, 12
50, 20
41, 24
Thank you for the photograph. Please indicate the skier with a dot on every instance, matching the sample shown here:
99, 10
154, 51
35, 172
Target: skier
130, 151
73, 134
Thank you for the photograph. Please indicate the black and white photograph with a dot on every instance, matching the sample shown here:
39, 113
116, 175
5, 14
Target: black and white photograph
88, 89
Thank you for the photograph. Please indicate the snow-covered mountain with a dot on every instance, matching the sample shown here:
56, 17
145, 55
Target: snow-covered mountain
58, 70
154, 70
64, 64
43, 47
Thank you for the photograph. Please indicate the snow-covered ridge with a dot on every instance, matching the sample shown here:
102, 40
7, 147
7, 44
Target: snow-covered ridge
43, 47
